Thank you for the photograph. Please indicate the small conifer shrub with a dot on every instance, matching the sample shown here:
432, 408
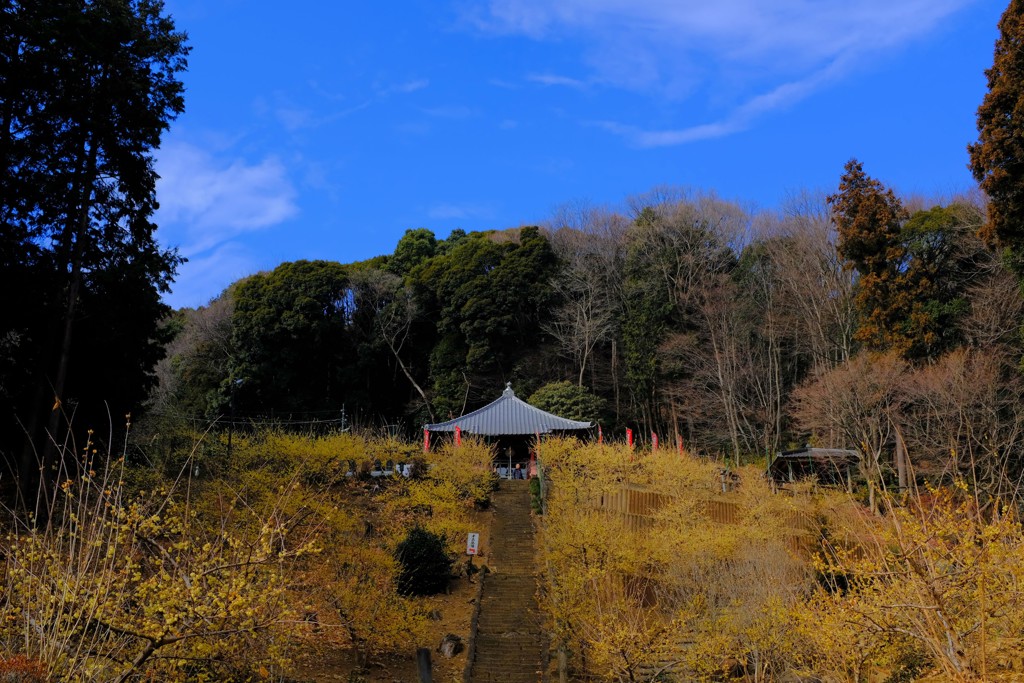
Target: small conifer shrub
426, 566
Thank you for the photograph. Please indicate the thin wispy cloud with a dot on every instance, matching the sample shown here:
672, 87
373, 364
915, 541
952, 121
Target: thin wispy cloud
211, 272
739, 119
761, 54
297, 118
455, 111
555, 79
294, 118
503, 84
731, 29
403, 88
311, 115
206, 200
450, 211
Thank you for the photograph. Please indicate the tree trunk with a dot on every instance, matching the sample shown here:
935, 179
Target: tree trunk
78, 229
615, 379
415, 385
902, 462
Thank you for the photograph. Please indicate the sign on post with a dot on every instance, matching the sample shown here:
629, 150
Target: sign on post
473, 544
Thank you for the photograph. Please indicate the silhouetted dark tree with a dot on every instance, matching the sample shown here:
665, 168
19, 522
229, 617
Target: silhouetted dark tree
87, 88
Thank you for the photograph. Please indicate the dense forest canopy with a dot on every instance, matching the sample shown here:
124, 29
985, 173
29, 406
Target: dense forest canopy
686, 315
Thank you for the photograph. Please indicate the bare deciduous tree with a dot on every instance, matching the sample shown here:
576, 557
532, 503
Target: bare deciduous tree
856, 404
965, 418
589, 243
394, 310
197, 360
813, 284
997, 308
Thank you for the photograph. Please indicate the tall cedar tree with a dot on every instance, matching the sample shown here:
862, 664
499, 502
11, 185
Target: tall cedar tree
869, 219
997, 158
87, 88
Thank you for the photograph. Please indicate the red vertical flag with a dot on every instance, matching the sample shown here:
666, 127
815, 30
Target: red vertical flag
680, 440
458, 436
629, 437
426, 440
600, 434
654, 441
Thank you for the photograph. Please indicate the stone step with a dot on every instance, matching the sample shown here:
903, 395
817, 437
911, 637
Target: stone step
497, 601
509, 624
508, 621
509, 645
508, 606
490, 660
504, 584
521, 675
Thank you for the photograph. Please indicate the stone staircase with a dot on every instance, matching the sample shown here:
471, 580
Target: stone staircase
508, 645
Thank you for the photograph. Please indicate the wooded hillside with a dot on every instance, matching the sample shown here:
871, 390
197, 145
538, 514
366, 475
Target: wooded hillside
851, 320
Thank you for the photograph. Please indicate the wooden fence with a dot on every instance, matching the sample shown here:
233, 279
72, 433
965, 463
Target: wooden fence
639, 508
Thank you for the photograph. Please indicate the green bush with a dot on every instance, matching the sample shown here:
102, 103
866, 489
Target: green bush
567, 400
535, 501
426, 566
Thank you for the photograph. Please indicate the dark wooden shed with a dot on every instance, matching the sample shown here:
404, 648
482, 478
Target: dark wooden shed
831, 466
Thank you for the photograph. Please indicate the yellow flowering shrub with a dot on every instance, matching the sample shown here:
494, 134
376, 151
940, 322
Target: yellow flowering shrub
118, 586
937, 578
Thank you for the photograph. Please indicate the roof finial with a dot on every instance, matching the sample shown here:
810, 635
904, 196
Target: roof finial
508, 390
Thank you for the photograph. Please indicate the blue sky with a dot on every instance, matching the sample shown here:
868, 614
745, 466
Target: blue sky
326, 129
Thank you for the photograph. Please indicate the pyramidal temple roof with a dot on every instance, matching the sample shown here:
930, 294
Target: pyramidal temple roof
508, 416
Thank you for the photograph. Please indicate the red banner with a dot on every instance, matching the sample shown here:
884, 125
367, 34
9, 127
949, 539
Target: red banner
458, 436
654, 441
680, 439
629, 437
600, 434
426, 440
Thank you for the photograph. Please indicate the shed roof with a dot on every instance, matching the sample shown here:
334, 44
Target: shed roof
820, 455
508, 416
828, 464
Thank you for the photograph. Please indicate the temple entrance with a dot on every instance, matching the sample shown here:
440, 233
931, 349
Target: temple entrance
513, 427
514, 456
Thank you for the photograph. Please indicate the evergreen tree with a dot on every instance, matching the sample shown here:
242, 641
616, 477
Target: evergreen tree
568, 400
914, 272
869, 219
415, 247
293, 351
997, 158
87, 88
488, 294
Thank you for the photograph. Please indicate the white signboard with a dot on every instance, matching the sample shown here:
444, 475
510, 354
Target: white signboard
473, 544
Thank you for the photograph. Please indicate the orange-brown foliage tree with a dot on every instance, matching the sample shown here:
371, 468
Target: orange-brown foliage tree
996, 158
869, 218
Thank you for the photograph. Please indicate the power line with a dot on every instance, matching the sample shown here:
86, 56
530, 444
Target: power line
247, 421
